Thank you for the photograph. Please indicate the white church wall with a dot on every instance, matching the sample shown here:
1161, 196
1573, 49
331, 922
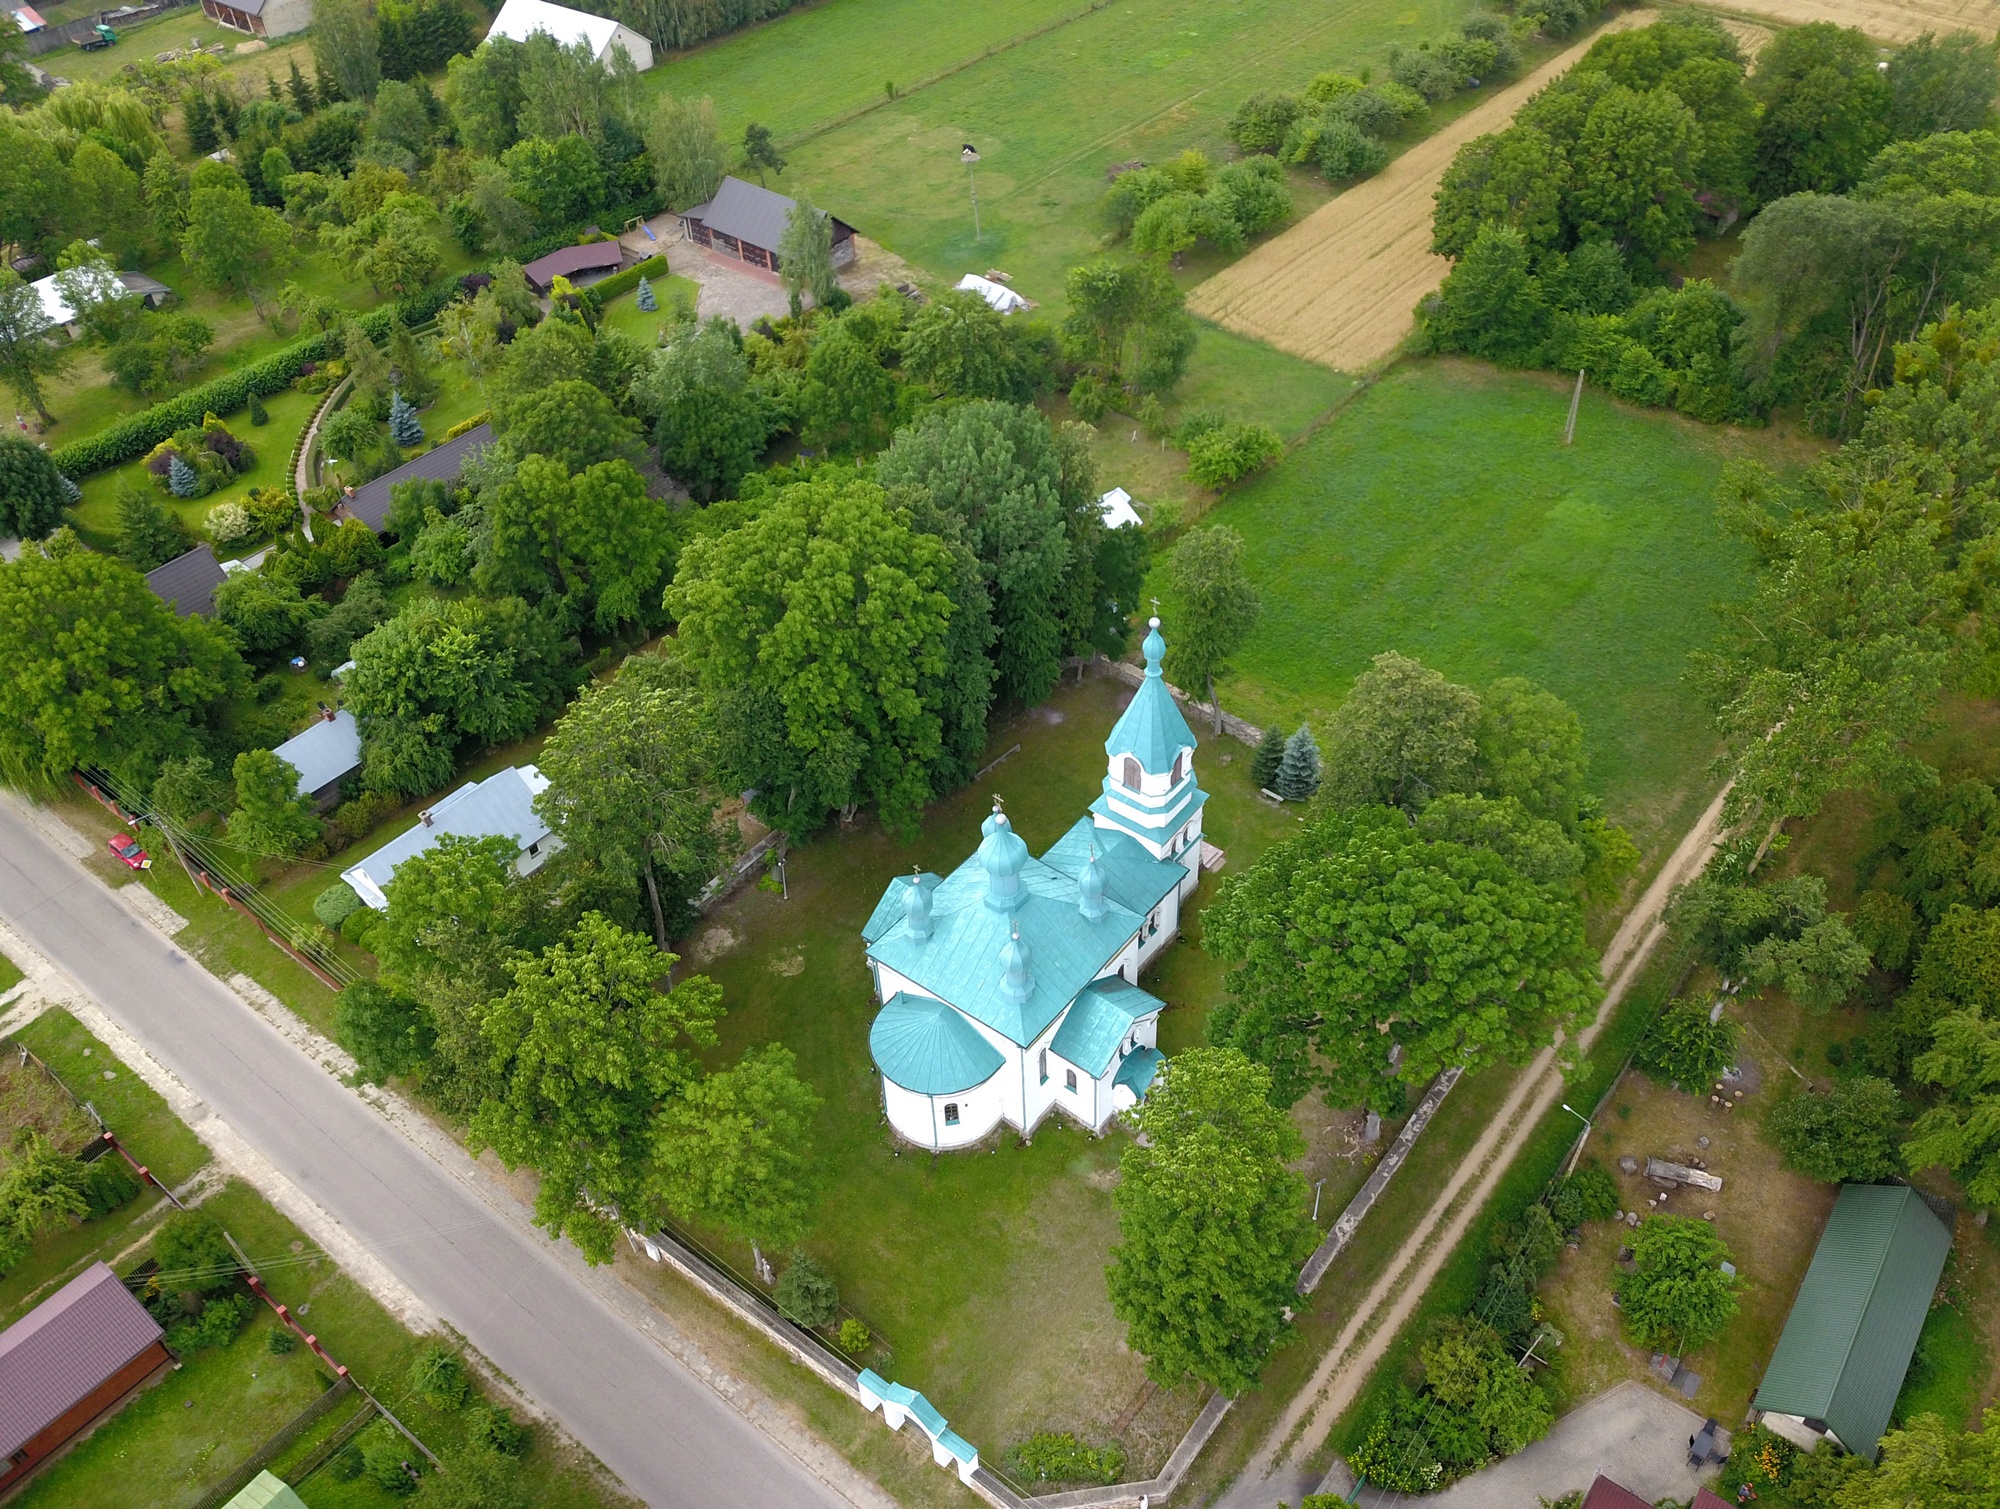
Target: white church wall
922, 1118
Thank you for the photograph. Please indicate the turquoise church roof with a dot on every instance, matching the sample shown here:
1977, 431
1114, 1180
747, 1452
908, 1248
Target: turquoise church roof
925, 1046
1096, 1025
1141, 1067
1151, 728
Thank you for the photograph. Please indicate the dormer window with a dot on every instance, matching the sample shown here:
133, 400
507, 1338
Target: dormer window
1130, 774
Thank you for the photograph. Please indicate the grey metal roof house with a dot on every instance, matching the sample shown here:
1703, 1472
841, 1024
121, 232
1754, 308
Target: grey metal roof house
1854, 1326
747, 222
502, 805
67, 1363
326, 753
571, 261
187, 583
370, 502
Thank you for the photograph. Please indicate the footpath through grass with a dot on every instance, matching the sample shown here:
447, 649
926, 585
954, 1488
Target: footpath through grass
1440, 515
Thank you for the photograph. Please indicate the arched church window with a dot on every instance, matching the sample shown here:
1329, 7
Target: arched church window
1131, 773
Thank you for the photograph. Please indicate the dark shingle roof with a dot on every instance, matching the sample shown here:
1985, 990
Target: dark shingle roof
1605, 1494
749, 213
570, 261
54, 1356
1854, 1326
370, 503
189, 582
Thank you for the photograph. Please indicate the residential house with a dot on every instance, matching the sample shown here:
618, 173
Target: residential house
441, 463
69, 1362
501, 806
187, 583
326, 753
521, 19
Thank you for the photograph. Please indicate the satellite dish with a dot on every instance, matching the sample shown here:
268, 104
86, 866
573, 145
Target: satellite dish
968, 154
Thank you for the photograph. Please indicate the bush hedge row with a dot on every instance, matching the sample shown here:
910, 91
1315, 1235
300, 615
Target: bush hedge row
139, 433
620, 283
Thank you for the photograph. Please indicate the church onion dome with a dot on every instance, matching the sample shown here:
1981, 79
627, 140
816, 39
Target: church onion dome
1090, 889
917, 908
1152, 729
1016, 981
1002, 855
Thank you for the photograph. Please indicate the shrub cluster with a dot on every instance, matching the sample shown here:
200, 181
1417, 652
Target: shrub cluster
1223, 451
1685, 1048
1059, 1457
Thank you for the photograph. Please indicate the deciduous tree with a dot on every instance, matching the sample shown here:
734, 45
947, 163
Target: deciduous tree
1845, 1135
687, 154
805, 253
1212, 1223
1364, 950
594, 542
735, 1150
631, 771
1211, 607
709, 426
28, 358
587, 1050
344, 48
1676, 1294
271, 817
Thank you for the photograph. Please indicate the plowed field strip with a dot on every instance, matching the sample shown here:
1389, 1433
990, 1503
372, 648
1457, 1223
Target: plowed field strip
1338, 288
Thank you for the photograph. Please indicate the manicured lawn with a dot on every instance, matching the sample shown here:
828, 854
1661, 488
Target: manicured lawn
984, 1271
1949, 1372
1440, 515
10, 973
96, 517
623, 313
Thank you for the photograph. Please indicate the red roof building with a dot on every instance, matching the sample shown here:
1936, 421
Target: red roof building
572, 261
68, 1363
1605, 1494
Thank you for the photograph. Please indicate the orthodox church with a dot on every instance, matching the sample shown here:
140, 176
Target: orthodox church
1009, 987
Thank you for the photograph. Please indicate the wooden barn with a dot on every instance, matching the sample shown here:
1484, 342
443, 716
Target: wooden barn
746, 222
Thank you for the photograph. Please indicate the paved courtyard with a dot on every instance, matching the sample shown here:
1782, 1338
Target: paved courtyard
1630, 1433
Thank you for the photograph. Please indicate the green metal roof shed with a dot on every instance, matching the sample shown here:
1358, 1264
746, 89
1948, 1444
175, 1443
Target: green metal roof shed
1854, 1327
266, 1491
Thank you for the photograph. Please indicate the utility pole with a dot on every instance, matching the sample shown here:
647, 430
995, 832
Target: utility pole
1576, 398
968, 154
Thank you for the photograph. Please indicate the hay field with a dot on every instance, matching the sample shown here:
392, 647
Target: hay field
1884, 20
1338, 288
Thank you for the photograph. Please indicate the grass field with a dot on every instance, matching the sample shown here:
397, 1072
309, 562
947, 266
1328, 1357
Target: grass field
1048, 115
10, 973
1440, 515
984, 1271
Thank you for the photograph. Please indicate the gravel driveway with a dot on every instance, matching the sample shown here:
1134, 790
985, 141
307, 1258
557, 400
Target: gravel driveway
1629, 1433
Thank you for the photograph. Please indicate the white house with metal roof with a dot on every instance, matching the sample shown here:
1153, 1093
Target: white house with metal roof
501, 806
519, 20
1010, 987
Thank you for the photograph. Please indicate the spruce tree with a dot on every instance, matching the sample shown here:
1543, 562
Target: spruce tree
182, 481
271, 88
300, 91
1298, 772
148, 535
403, 426
72, 494
198, 116
258, 413
1264, 763
647, 302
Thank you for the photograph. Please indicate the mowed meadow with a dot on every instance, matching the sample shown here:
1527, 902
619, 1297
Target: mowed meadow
1440, 515
1126, 79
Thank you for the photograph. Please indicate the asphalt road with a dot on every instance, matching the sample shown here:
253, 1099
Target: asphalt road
670, 1438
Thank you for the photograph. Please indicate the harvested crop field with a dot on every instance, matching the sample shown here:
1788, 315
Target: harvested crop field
1338, 288
1884, 20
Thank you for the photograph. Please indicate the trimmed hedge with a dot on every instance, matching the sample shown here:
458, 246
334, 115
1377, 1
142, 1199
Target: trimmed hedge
139, 433
620, 283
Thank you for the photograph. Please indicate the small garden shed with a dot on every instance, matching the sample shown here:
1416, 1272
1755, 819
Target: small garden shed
326, 753
1854, 1327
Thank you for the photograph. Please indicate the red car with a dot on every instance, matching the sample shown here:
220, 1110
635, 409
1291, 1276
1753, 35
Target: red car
125, 848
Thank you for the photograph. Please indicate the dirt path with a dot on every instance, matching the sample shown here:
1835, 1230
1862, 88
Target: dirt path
1276, 1467
1339, 286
